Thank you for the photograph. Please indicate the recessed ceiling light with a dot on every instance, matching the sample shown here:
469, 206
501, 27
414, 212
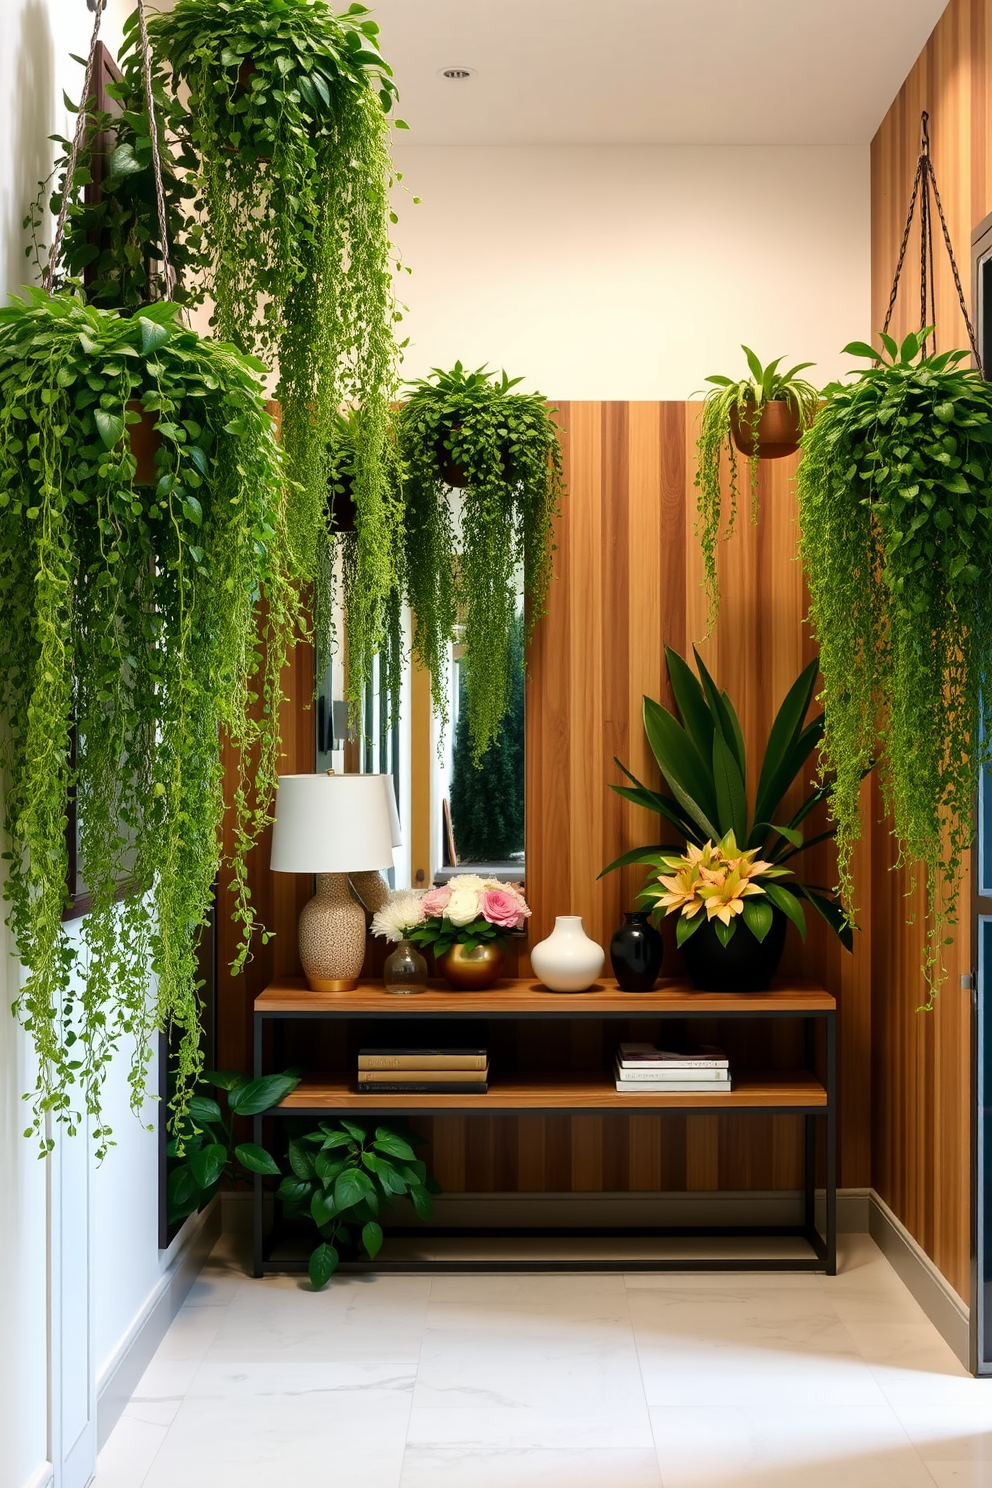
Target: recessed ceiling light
457, 74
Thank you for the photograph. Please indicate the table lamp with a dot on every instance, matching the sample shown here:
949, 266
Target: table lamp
371, 887
331, 825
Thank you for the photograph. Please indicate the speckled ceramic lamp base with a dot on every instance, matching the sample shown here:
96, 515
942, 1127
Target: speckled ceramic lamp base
332, 936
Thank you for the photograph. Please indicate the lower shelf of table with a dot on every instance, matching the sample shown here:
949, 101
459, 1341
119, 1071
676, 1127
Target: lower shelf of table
795, 1092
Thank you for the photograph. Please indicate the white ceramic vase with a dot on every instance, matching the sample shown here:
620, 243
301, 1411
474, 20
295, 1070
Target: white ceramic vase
568, 961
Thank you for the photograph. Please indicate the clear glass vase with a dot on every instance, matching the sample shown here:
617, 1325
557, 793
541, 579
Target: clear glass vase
405, 971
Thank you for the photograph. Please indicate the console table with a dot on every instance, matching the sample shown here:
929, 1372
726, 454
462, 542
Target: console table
793, 1092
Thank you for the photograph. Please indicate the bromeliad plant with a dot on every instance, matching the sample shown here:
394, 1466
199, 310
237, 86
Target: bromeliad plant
704, 762
287, 107
718, 882
344, 1174
732, 421
470, 430
896, 521
131, 623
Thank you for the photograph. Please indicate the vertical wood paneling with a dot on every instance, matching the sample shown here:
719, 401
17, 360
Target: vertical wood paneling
921, 1084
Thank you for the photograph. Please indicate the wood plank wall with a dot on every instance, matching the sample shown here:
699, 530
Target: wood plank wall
627, 581
921, 1160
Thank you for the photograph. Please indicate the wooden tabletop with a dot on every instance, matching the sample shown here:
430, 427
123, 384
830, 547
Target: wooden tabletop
572, 1091
524, 997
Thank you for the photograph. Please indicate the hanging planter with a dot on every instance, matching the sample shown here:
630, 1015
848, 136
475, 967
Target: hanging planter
286, 119
465, 572
896, 539
137, 622
762, 417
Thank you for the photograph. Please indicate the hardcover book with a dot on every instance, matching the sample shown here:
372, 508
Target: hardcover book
694, 1056
425, 1076
423, 1087
422, 1059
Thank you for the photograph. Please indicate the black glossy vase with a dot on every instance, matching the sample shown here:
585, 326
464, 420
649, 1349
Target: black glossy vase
745, 965
635, 952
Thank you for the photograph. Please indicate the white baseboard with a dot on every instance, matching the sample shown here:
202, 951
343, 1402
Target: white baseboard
119, 1379
948, 1312
42, 1477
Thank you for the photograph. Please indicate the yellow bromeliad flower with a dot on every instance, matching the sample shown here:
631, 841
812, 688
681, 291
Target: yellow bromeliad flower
717, 877
683, 891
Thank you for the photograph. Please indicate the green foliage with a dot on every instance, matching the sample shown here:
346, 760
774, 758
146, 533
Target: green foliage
130, 614
744, 400
342, 1177
114, 242
487, 800
376, 628
439, 934
704, 762
896, 523
286, 118
203, 1152
506, 447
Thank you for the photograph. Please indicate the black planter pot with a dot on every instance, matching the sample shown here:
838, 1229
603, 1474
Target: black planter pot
635, 952
745, 965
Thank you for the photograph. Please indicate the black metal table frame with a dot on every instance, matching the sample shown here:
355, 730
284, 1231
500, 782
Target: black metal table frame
823, 1246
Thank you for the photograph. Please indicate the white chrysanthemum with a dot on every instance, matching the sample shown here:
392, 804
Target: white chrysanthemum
463, 906
398, 915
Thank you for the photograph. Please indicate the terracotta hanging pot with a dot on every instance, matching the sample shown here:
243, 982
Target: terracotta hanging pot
779, 429
145, 442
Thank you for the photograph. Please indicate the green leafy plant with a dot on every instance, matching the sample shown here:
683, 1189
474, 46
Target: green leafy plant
704, 762
287, 118
130, 619
896, 523
110, 247
740, 402
377, 627
462, 571
344, 1174
204, 1154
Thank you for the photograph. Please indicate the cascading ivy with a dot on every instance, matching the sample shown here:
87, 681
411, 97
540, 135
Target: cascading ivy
896, 539
129, 615
287, 117
464, 571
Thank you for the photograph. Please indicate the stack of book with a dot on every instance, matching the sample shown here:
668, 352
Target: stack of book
423, 1071
698, 1069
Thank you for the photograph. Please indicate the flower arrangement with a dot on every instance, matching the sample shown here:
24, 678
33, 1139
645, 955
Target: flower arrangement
470, 912
721, 879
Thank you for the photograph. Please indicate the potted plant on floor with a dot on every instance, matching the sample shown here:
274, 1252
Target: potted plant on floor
896, 539
130, 619
763, 417
727, 883
501, 448
286, 114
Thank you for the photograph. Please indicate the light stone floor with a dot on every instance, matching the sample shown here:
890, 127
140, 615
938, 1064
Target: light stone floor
555, 1381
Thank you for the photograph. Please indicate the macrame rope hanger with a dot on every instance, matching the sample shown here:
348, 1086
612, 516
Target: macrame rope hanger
926, 179
168, 273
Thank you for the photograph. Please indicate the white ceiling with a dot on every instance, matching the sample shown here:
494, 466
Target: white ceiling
651, 71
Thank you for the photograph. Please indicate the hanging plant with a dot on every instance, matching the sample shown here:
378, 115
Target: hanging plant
762, 417
370, 628
467, 429
130, 614
111, 245
896, 526
287, 111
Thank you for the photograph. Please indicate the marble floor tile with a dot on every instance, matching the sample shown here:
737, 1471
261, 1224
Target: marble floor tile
494, 1427
354, 1318
960, 1474
129, 1452
263, 1425
561, 1374
528, 1467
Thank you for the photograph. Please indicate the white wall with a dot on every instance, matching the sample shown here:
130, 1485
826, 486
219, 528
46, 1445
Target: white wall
632, 272
123, 1261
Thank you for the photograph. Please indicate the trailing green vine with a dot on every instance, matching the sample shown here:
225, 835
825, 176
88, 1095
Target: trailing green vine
741, 403
503, 449
130, 614
287, 118
896, 524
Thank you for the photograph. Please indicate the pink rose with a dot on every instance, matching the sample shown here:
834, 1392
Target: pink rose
501, 908
435, 901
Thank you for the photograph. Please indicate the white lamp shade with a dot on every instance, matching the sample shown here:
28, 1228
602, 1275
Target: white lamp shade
331, 824
389, 788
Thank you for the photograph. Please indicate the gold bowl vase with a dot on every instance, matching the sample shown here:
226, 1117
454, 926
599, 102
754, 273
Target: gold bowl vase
471, 971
